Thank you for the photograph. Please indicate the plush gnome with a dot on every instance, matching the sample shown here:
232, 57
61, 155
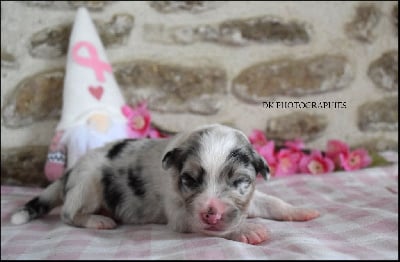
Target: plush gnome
92, 112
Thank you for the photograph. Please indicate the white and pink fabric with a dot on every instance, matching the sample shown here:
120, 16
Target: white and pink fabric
359, 220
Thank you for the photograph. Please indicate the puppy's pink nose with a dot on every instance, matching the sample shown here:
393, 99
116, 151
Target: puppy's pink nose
211, 217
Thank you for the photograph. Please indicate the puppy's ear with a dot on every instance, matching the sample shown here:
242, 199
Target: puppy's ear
172, 158
260, 165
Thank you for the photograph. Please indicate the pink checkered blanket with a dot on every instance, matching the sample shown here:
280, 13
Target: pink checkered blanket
359, 221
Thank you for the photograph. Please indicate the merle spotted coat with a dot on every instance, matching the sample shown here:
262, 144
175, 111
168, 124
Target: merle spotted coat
198, 181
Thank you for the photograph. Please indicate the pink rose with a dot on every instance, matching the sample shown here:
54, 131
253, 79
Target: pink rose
138, 120
287, 162
295, 145
257, 138
316, 164
268, 152
334, 149
354, 160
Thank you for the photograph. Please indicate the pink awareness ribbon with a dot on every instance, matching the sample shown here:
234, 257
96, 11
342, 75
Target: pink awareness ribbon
92, 61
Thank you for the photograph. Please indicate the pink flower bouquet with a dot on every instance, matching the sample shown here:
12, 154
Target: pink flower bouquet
293, 158
139, 122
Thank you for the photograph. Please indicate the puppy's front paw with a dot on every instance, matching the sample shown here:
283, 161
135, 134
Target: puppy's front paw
100, 222
250, 233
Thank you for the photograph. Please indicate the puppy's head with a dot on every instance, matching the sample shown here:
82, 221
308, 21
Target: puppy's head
214, 170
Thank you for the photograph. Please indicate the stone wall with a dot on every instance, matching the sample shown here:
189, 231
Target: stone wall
315, 70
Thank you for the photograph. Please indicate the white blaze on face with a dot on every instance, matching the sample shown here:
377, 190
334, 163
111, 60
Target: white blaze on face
215, 148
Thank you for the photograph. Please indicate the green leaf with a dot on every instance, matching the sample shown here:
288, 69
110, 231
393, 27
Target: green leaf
378, 160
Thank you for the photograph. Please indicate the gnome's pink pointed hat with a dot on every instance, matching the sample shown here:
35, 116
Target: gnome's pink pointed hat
89, 83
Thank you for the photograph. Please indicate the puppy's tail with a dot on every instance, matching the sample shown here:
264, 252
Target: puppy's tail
40, 205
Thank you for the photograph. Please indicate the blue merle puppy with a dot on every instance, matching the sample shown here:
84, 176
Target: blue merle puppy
198, 181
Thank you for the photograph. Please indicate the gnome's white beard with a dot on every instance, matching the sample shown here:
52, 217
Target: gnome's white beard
81, 138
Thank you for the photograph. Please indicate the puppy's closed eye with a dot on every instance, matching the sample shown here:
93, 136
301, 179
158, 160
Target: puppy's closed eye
241, 181
241, 184
188, 181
